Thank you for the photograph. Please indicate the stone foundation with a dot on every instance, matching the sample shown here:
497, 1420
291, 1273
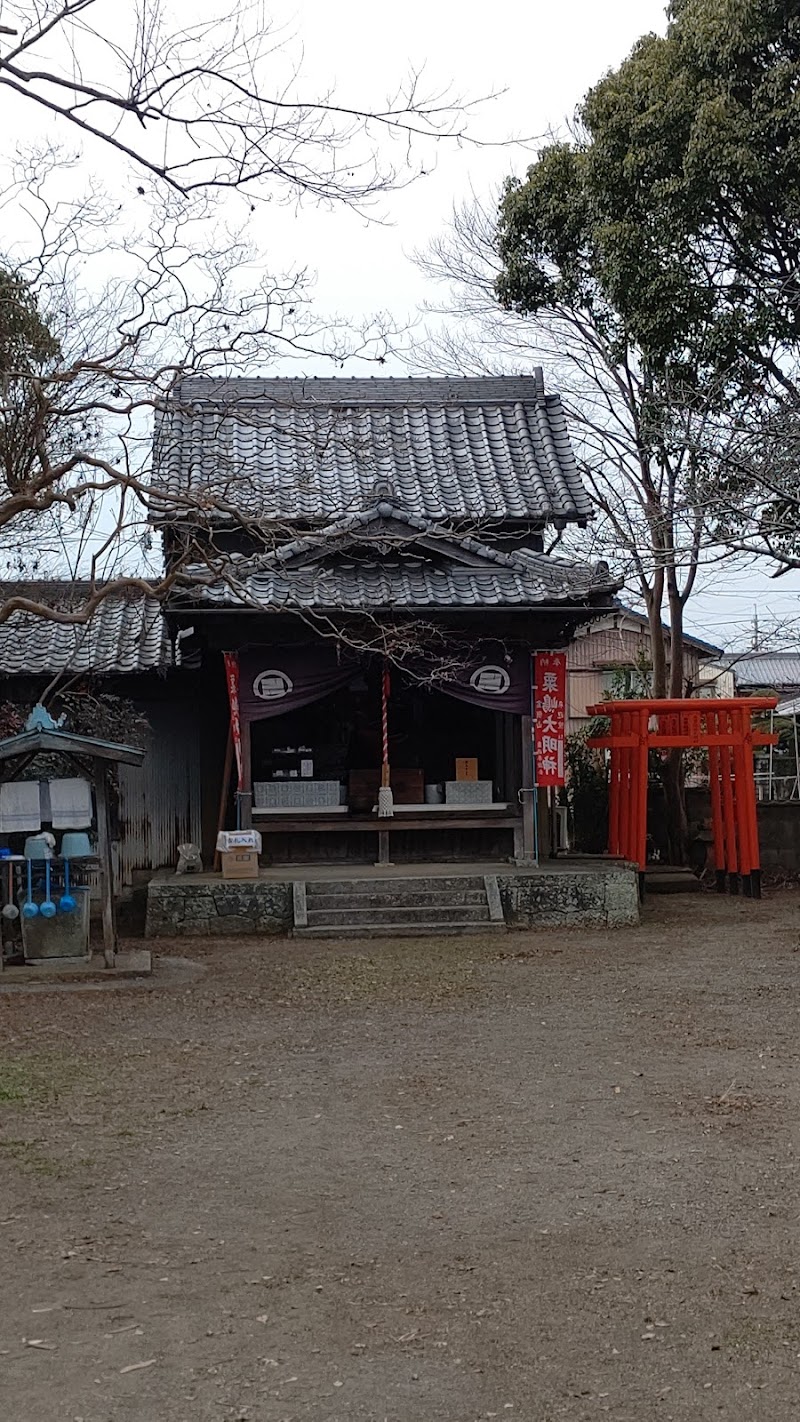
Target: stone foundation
203, 906
564, 899
195, 907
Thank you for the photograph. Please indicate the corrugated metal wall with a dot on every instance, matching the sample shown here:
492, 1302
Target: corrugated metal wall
160, 805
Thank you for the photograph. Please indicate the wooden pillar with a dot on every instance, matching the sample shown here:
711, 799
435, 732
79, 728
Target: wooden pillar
106, 865
615, 791
751, 806
642, 768
528, 792
622, 726
223, 796
246, 792
729, 817
717, 820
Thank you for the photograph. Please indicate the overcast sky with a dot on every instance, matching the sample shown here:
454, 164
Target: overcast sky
544, 56
540, 58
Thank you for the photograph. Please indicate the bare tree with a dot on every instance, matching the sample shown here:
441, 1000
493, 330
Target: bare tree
215, 104
86, 366
86, 371
638, 441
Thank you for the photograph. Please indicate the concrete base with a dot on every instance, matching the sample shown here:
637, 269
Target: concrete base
561, 893
598, 897
208, 906
137, 963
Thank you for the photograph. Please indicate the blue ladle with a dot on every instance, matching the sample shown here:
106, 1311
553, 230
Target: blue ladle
48, 908
29, 908
66, 903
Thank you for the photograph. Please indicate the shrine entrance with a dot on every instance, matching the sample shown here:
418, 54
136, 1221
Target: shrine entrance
723, 728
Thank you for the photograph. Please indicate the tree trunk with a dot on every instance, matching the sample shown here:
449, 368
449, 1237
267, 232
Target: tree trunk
672, 772
653, 598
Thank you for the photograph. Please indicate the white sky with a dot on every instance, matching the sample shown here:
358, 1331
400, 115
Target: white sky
544, 56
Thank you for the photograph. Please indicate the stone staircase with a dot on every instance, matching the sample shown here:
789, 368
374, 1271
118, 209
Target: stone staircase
400, 908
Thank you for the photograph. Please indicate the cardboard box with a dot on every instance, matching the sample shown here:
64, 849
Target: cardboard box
466, 768
239, 863
239, 839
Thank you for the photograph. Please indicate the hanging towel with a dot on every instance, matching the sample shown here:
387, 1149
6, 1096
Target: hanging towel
70, 804
20, 809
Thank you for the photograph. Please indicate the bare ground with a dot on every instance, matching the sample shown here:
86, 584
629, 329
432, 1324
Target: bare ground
541, 1176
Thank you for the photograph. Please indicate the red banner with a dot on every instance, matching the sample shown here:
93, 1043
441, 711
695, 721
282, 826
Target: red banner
232, 679
550, 704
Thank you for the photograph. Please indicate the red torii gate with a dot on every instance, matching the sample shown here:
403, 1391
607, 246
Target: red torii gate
725, 729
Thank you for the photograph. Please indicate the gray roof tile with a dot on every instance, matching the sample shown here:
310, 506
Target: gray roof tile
490, 448
400, 580
125, 634
764, 669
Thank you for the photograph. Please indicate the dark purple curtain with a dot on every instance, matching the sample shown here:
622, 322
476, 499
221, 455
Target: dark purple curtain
274, 680
498, 680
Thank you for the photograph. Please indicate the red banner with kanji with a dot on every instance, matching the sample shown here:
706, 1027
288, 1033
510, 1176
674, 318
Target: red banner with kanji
232, 680
550, 707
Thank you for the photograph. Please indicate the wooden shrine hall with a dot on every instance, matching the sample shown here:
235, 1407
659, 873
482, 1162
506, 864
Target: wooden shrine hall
369, 580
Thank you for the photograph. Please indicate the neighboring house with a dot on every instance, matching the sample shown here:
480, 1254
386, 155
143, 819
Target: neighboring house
765, 671
607, 657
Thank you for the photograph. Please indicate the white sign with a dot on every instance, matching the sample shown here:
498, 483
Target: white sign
490, 681
272, 685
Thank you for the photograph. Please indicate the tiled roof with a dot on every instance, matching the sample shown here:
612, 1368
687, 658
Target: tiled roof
125, 634
765, 669
401, 580
310, 450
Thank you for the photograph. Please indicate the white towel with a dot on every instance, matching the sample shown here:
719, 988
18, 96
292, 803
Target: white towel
20, 809
70, 804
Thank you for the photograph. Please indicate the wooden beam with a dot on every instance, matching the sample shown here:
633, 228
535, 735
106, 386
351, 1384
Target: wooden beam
246, 792
223, 794
527, 791
657, 742
106, 865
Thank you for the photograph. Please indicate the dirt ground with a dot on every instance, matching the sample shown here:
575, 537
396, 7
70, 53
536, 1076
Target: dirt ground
538, 1176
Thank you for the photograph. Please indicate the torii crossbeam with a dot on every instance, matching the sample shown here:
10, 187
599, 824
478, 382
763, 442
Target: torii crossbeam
725, 730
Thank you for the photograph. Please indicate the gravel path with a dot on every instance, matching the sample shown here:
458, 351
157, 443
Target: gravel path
541, 1177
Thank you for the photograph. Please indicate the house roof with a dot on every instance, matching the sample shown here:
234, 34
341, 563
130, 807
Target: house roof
773, 669
124, 634
387, 558
66, 742
696, 642
492, 448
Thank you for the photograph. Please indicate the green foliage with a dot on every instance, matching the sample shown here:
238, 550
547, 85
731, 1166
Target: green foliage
676, 212
631, 683
28, 349
587, 792
88, 713
26, 342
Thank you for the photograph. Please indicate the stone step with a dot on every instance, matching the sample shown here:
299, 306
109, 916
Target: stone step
432, 883
394, 899
409, 914
672, 881
397, 930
